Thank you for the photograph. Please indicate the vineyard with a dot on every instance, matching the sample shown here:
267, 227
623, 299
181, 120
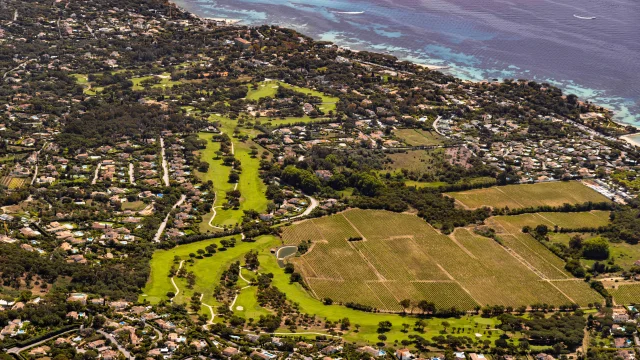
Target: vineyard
626, 294
12, 182
402, 257
579, 291
526, 195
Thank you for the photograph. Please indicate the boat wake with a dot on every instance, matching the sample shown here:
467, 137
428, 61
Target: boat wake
584, 17
350, 12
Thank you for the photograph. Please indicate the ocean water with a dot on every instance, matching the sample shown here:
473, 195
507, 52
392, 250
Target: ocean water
557, 41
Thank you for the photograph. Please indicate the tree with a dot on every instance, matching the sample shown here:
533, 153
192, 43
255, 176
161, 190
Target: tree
420, 325
406, 303
405, 327
191, 279
384, 326
596, 248
427, 307
344, 324
445, 325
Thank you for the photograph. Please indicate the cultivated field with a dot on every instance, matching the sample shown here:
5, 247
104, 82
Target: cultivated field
12, 182
526, 195
579, 291
531, 251
626, 294
403, 257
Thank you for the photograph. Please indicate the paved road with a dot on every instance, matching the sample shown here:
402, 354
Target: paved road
113, 340
314, 204
132, 180
435, 126
156, 238
174, 283
16, 350
165, 168
95, 176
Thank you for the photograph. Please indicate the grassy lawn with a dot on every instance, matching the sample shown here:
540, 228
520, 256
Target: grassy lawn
248, 301
133, 205
269, 89
419, 137
165, 81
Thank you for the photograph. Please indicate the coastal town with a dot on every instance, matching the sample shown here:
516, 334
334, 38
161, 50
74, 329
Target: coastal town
159, 173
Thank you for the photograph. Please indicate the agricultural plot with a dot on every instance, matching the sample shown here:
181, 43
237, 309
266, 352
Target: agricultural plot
422, 161
401, 256
579, 291
526, 195
626, 294
419, 137
12, 182
594, 219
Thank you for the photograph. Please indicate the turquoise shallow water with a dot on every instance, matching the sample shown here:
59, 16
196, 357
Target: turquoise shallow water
598, 59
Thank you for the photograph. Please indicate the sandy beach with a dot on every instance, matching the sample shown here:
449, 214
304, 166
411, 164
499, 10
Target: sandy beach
632, 139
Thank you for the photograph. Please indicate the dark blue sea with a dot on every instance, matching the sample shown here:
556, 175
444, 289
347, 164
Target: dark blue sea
590, 48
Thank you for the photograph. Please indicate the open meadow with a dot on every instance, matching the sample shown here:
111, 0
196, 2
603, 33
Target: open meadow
402, 257
419, 137
527, 195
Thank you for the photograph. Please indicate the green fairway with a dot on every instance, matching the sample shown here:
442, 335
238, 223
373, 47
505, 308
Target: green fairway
269, 89
83, 80
207, 269
247, 304
250, 185
165, 82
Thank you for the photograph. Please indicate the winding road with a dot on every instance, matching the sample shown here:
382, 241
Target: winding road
174, 283
17, 350
314, 204
113, 340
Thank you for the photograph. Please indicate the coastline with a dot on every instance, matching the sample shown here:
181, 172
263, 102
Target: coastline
629, 139
430, 67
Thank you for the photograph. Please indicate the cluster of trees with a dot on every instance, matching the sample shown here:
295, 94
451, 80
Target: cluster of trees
107, 124
116, 279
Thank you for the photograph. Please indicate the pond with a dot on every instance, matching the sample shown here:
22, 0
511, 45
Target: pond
284, 252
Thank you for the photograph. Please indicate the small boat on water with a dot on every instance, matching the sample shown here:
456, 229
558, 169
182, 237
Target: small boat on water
350, 12
584, 17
